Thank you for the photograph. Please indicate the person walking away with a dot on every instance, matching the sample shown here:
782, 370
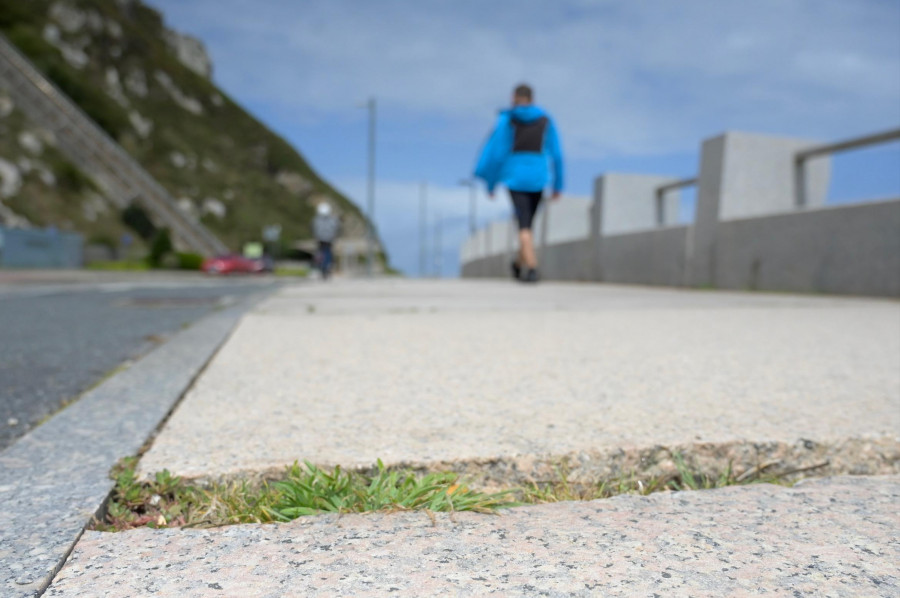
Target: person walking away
523, 153
326, 229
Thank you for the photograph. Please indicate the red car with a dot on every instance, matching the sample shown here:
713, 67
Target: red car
233, 264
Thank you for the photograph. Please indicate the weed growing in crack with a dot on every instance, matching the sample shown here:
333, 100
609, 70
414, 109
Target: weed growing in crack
167, 501
309, 490
562, 488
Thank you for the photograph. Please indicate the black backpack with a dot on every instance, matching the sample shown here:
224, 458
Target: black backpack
529, 136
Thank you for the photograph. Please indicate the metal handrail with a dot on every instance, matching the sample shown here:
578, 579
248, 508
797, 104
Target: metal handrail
803, 155
661, 193
107, 155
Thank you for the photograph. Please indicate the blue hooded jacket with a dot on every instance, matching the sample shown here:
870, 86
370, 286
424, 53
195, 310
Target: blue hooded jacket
520, 171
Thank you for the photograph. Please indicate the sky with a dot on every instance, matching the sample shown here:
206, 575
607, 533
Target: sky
634, 86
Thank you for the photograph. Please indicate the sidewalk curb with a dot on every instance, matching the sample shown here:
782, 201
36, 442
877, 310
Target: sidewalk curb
54, 479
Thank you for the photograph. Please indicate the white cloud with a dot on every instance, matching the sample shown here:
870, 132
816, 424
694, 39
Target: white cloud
646, 77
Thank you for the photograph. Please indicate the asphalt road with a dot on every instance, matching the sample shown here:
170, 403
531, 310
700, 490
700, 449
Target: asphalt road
56, 341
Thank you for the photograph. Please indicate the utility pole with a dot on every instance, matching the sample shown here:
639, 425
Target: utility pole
473, 218
423, 229
438, 256
370, 262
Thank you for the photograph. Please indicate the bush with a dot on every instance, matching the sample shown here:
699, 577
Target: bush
104, 239
136, 218
29, 42
12, 13
159, 248
70, 178
189, 261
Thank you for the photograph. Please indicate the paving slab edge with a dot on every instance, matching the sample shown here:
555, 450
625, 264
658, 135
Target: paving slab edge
828, 537
44, 508
802, 458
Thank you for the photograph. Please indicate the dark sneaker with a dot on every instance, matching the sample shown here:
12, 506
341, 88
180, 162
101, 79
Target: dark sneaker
531, 276
516, 270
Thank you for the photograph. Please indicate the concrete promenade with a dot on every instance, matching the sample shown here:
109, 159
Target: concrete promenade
506, 384
458, 373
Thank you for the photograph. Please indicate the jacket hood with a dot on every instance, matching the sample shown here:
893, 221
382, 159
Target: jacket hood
526, 113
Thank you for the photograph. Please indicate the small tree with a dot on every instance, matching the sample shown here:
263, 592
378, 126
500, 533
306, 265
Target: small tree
159, 248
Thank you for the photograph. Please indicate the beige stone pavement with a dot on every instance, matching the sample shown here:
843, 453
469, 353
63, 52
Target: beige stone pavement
489, 376
460, 373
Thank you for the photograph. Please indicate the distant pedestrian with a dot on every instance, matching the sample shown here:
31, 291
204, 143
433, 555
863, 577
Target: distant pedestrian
326, 228
520, 154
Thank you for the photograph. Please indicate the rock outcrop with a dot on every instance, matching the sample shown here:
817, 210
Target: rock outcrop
150, 89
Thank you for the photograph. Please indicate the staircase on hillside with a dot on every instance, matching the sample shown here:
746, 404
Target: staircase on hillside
96, 153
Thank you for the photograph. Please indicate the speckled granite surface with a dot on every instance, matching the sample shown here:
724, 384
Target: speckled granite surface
481, 375
55, 478
833, 537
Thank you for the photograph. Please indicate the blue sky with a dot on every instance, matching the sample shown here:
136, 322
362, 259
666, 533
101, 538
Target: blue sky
635, 86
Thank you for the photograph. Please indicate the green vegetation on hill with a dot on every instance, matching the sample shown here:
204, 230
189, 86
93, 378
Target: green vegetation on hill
119, 63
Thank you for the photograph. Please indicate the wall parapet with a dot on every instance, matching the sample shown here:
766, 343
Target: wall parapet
749, 231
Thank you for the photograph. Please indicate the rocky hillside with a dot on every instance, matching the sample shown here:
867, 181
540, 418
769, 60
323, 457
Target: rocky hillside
149, 88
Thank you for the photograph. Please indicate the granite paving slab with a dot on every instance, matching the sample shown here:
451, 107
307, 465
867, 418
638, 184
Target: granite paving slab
55, 478
832, 537
489, 375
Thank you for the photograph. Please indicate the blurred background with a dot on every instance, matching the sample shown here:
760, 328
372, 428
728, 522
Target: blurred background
213, 97
634, 86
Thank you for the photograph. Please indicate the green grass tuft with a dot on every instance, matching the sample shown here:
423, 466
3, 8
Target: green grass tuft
168, 501
309, 490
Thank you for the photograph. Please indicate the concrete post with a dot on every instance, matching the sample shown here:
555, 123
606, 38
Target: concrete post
745, 175
701, 239
595, 263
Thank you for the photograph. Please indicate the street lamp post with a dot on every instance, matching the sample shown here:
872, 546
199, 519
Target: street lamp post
438, 247
423, 225
470, 183
370, 199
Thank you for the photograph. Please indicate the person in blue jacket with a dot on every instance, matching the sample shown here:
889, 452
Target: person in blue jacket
523, 153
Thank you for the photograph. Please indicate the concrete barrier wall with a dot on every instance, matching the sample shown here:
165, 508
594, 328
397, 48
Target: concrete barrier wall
749, 232
846, 249
851, 249
566, 261
651, 257
568, 219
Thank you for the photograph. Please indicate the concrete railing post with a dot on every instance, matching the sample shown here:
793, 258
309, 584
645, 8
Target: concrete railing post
744, 175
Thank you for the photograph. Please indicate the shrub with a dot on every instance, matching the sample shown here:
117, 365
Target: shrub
29, 42
104, 239
70, 178
136, 218
189, 261
12, 12
159, 248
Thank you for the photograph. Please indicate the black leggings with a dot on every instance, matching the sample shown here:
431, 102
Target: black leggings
525, 204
